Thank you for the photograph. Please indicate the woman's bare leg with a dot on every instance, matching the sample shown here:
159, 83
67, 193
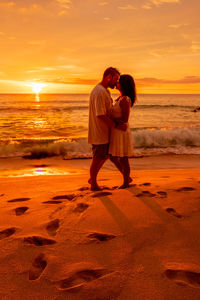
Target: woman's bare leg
126, 171
117, 162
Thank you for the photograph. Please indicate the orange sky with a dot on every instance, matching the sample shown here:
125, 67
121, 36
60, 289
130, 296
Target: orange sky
68, 44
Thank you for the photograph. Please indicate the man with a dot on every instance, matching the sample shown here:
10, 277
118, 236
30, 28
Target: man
99, 122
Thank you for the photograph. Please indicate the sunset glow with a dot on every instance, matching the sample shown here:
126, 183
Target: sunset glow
37, 87
69, 43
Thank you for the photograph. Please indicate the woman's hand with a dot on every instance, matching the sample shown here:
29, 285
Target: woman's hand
122, 126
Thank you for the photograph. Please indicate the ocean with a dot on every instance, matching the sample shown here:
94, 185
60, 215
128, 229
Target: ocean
37, 126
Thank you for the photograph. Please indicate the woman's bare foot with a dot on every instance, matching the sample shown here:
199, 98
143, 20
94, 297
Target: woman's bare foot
95, 188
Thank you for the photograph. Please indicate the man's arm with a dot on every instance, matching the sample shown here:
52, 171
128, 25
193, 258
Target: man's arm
110, 123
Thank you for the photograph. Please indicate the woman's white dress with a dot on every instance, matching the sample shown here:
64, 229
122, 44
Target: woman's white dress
120, 141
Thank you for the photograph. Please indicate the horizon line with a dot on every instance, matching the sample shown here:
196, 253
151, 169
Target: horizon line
89, 94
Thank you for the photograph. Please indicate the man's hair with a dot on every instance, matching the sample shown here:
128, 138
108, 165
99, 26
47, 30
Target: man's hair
111, 71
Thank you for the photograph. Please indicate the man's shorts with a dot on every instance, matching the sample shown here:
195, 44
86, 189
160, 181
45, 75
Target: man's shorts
100, 151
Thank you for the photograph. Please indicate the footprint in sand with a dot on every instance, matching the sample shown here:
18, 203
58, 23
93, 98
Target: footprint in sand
52, 202
184, 277
20, 210
52, 227
102, 237
38, 241
38, 266
78, 279
104, 187
19, 200
146, 194
162, 194
185, 189
146, 183
7, 232
81, 207
173, 212
84, 188
69, 197
1, 195
101, 194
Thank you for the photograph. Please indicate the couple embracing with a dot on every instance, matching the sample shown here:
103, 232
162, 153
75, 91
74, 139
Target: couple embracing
109, 131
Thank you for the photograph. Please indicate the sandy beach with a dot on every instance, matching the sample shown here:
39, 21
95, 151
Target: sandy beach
59, 240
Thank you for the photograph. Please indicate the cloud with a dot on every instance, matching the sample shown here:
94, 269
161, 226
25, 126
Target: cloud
153, 81
37, 43
147, 6
5, 4
126, 7
5, 36
65, 6
160, 2
27, 10
195, 46
64, 3
155, 54
63, 12
103, 3
176, 26
139, 81
73, 68
41, 69
79, 81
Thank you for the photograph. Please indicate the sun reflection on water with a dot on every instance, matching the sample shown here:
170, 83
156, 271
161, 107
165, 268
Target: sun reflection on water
47, 171
37, 98
36, 172
40, 171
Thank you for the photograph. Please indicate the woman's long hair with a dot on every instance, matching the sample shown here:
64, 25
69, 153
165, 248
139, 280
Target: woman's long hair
127, 84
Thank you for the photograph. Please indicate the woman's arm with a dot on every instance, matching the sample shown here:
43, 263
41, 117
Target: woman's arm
125, 110
121, 123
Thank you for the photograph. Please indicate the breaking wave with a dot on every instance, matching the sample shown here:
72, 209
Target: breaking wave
146, 142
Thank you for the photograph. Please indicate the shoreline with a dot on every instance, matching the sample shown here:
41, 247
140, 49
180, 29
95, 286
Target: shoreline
16, 167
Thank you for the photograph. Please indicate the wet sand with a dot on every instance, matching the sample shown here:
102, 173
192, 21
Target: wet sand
59, 240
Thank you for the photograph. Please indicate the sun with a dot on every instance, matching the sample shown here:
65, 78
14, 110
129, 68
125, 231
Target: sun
37, 87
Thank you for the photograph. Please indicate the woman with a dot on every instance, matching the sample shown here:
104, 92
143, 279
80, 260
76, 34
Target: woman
121, 146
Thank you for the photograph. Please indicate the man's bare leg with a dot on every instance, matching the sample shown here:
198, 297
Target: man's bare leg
96, 165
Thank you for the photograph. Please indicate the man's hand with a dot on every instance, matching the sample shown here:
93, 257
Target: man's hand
122, 126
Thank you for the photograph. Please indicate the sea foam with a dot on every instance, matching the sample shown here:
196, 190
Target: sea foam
146, 142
